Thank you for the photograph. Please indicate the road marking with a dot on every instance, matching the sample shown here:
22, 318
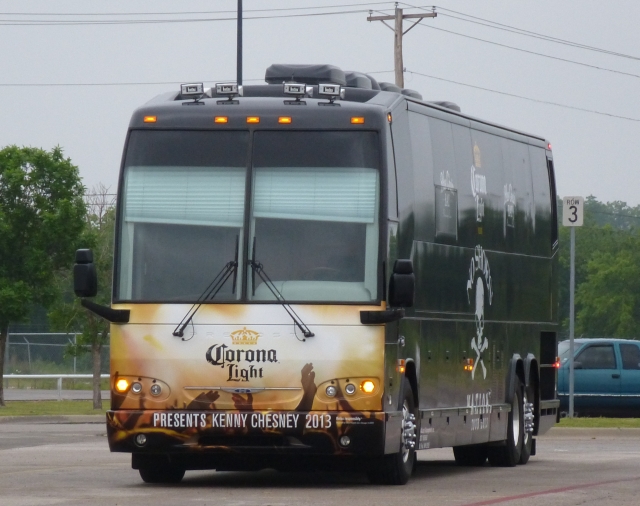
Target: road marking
551, 491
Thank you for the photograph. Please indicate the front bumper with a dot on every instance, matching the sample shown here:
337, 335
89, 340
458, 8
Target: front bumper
247, 432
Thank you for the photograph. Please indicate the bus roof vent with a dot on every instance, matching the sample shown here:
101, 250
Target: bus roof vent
358, 80
411, 93
308, 74
374, 83
390, 87
448, 105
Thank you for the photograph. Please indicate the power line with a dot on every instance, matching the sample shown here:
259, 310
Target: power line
372, 72
525, 98
25, 22
521, 31
566, 60
181, 13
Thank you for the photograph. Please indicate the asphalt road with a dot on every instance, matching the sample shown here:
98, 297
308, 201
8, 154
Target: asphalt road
63, 463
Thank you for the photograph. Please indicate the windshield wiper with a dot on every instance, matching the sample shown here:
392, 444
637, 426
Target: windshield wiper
230, 269
258, 269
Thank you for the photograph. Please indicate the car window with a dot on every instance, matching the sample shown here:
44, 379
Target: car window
630, 356
597, 357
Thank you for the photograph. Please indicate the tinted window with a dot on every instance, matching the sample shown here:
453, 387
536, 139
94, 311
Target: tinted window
597, 357
630, 356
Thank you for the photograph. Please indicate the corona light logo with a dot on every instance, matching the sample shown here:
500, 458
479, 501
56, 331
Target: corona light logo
244, 336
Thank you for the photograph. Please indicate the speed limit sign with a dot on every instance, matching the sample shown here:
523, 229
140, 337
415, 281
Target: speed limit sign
572, 211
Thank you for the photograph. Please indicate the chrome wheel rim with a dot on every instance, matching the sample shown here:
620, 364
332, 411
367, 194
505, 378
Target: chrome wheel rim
526, 433
515, 412
408, 432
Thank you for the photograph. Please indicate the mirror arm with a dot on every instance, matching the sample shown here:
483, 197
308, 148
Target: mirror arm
378, 317
112, 315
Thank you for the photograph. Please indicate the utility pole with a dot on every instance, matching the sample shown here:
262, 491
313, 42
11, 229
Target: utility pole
239, 45
398, 18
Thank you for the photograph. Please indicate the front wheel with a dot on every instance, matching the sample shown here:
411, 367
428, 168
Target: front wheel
509, 454
161, 474
396, 469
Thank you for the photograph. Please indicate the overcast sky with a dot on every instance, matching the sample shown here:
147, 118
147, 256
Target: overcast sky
42, 65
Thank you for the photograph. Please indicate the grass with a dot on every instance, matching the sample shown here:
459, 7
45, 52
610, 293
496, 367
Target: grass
51, 408
601, 423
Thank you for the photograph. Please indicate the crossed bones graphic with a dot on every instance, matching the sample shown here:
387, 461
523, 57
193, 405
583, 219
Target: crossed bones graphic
479, 349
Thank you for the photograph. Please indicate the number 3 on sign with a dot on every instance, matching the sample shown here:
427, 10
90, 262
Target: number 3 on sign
572, 211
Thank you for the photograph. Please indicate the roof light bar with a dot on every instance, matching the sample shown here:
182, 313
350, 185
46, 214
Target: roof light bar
297, 90
229, 89
192, 90
331, 90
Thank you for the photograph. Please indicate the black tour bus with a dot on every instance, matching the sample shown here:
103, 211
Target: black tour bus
328, 271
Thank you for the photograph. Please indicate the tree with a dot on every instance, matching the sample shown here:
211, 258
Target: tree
41, 218
609, 228
67, 314
609, 299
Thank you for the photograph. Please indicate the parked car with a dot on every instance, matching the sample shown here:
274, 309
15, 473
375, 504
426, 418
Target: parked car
607, 377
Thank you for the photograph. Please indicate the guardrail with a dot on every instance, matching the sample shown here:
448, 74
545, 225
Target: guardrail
59, 377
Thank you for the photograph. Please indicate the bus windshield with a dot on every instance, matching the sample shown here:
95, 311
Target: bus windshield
313, 222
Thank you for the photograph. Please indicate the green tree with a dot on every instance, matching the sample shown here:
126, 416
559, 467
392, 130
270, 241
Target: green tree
67, 314
41, 218
609, 229
609, 299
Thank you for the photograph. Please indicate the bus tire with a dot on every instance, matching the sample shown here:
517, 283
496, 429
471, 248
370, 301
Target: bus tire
527, 441
470, 455
162, 474
396, 468
509, 454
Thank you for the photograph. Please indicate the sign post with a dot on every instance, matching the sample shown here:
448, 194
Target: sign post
572, 216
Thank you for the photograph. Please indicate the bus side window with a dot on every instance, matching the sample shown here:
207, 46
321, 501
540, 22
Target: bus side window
518, 193
445, 179
554, 203
542, 201
422, 155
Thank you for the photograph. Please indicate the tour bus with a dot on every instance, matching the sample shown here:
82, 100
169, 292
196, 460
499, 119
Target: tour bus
327, 272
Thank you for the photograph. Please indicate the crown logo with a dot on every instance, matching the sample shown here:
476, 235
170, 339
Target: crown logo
245, 336
477, 156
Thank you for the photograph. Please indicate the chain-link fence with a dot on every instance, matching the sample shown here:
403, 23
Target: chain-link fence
48, 353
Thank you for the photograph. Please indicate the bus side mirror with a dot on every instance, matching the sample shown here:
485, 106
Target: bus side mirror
402, 284
85, 276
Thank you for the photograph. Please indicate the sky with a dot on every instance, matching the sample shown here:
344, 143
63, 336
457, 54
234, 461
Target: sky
69, 83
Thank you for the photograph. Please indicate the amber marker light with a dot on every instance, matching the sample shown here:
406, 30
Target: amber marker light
556, 364
367, 386
253, 119
122, 385
468, 364
221, 119
401, 367
389, 118
357, 120
284, 120
150, 119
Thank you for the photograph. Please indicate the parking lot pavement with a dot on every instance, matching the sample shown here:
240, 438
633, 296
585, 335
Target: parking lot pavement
26, 394
70, 464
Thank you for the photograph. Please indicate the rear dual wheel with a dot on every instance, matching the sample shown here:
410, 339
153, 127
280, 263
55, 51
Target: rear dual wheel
511, 453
